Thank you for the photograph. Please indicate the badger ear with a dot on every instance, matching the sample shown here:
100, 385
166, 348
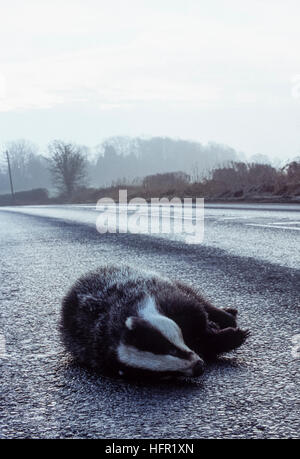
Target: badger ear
130, 323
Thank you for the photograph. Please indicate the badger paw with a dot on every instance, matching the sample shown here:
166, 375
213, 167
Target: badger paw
239, 336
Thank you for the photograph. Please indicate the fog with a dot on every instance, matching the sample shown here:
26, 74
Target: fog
223, 71
116, 160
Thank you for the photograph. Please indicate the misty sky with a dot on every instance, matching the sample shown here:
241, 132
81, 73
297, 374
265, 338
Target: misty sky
82, 70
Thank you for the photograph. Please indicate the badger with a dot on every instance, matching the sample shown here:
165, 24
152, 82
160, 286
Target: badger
138, 323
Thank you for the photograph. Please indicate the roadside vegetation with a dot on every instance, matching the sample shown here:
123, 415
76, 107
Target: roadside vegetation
68, 175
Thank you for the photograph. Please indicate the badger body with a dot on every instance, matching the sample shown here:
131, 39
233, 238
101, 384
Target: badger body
136, 322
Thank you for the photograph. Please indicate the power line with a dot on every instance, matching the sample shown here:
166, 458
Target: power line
10, 178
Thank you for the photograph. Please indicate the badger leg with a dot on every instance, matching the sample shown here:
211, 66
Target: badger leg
223, 317
219, 341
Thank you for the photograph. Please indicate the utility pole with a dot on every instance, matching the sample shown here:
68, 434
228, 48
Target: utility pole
10, 178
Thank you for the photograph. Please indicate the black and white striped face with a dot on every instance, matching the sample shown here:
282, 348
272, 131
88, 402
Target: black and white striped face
154, 343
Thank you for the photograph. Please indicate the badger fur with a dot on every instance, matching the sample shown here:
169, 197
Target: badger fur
135, 322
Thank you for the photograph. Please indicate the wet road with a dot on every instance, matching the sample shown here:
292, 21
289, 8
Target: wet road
269, 232
249, 260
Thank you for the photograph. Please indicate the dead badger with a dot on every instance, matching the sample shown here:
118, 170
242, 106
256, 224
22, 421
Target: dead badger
137, 323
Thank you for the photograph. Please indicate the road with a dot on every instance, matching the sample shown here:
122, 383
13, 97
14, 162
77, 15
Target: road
249, 259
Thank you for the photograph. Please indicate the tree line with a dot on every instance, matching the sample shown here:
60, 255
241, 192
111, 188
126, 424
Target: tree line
116, 160
150, 167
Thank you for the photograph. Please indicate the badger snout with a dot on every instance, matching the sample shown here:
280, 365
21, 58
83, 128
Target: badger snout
196, 366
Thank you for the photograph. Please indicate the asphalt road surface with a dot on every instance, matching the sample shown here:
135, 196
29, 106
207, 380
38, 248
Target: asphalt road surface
249, 260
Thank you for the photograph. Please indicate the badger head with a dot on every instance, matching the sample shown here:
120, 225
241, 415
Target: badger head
155, 345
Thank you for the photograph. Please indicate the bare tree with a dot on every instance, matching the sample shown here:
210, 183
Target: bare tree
21, 153
292, 171
68, 166
28, 166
